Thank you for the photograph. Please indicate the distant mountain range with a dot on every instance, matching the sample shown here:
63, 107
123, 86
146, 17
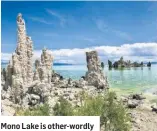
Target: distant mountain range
58, 64
61, 64
4, 62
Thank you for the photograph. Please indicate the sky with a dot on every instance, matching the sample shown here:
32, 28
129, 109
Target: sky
69, 29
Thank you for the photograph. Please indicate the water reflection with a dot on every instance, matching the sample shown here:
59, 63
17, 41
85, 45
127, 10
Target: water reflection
121, 78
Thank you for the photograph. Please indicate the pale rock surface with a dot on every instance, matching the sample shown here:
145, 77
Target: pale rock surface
43, 69
82, 83
8, 108
19, 70
143, 120
22, 59
95, 75
3, 76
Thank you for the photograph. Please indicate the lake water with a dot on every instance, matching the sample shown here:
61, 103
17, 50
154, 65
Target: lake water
127, 78
138, 78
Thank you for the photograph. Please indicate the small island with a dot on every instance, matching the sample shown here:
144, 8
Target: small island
126, 64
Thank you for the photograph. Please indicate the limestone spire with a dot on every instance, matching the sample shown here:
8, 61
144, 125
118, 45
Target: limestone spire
22, 69
95, 75
45, 69
21, 34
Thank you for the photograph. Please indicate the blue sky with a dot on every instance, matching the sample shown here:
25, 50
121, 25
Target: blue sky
69, 25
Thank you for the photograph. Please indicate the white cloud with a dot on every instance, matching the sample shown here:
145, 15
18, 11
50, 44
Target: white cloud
5, 56
134, 52
41, 20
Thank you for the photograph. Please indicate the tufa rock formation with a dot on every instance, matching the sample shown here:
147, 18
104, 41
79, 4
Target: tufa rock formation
121, 64
19, 73
19, 70
109, 64
95, 75
43, 68
25, 87
148, 64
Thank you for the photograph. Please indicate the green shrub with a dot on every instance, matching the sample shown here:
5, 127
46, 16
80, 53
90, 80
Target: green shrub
112, 113
91, 106
36, 111
63, 108
114, 116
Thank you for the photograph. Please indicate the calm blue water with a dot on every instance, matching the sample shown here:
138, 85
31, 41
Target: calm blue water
128, 78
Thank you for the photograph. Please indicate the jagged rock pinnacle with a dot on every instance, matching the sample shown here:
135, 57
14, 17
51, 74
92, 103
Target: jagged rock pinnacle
20, 69
95, 75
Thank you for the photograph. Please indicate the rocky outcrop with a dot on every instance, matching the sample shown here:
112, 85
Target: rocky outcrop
55, 78
148, 64
8, 108
23, 54
154, 107
20, 77
40, 89
137, 96
3, 76
95, 75
38, 93
43, 68
132, 104
25, 87
133, 100
19, 70
109, 64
